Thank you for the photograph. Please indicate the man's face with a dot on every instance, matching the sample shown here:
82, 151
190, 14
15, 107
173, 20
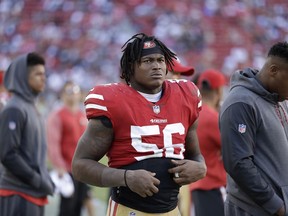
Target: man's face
71, 94
37, 78
280, 83
149, 74
282, 87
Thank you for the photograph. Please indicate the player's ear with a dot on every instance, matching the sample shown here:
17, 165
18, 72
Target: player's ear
273, 69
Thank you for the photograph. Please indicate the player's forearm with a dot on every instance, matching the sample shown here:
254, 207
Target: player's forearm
95, 173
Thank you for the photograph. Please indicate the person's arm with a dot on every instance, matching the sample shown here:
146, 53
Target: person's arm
193, 167
54, 131
92, 146
11, 128
238, 155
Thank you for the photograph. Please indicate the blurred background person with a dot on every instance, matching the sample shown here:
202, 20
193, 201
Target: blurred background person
178, 70
24, 181
208, 194
65, 125
3, 92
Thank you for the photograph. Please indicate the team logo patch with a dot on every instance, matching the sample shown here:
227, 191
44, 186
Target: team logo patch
158, 121
12, 125
132, 214
149, 44
242, 128
156, 109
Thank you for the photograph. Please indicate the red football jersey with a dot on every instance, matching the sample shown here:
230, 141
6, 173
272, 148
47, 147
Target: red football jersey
143, 129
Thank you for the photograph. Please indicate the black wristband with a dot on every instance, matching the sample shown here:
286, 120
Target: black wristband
125, 179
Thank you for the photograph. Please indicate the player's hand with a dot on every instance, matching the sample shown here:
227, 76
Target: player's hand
187, 171
142, 182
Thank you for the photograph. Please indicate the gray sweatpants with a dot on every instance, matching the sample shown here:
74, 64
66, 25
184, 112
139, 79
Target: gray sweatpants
17, 206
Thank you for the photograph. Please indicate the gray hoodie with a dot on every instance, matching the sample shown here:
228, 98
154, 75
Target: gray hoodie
22, 137
254, 134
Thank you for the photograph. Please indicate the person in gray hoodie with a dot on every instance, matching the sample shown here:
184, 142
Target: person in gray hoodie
254, 134
24, 181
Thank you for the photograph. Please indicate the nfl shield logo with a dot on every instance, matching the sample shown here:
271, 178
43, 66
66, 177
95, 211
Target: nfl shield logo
242, 128
156, 109
12, 125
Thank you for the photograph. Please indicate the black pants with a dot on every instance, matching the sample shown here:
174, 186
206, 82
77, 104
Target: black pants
17, 206
72, 206
208, 203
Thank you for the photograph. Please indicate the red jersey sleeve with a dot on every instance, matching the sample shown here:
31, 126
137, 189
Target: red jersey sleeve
98, 101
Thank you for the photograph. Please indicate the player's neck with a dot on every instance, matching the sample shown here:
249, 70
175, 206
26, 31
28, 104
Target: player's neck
152, 97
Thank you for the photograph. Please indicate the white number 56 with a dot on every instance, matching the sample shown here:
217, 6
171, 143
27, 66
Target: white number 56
138, 131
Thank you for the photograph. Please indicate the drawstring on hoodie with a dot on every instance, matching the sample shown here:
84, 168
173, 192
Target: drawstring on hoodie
278, 111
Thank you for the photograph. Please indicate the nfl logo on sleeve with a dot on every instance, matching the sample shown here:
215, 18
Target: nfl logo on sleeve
242, 128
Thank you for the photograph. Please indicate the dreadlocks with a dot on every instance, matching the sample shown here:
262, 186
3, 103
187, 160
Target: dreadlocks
132, 50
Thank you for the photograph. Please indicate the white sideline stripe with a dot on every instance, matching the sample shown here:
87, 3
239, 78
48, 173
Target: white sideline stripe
94, 96
95, 106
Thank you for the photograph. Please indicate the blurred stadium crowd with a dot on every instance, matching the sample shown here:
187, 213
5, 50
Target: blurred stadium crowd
81, 39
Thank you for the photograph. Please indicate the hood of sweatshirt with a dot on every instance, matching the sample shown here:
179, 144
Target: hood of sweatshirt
16, 79
247, 78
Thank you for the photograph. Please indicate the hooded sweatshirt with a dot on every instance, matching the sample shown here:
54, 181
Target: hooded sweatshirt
22, 137
254, 136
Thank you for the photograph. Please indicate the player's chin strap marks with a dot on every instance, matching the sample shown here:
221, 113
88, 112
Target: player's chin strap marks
125, 179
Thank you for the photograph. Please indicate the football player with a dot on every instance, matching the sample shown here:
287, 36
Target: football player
147, 128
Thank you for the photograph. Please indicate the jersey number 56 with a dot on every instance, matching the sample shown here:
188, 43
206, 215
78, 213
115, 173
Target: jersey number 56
168, 150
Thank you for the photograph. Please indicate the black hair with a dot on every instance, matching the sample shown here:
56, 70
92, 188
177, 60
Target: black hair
132, 50
279, 49
34, 59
